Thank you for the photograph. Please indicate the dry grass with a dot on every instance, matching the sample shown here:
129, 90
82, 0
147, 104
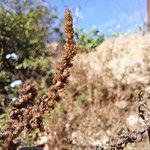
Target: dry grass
98, 104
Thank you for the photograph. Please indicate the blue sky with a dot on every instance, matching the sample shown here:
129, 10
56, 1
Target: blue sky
107, 15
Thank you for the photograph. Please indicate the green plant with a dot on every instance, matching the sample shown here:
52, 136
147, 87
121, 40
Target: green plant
89, 39
25, 26
81, 97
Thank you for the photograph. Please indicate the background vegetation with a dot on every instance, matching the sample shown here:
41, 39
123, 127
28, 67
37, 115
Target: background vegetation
100, 97
25, 28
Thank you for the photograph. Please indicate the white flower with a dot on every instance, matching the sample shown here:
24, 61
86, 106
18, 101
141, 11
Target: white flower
14, 98
12, 56
16, 83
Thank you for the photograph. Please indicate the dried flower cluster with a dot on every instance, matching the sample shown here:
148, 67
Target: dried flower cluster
25, 113
21, 114
62, 67
133, 136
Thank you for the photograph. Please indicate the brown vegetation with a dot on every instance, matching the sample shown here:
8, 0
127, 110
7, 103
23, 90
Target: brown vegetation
94, 106
25, 113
